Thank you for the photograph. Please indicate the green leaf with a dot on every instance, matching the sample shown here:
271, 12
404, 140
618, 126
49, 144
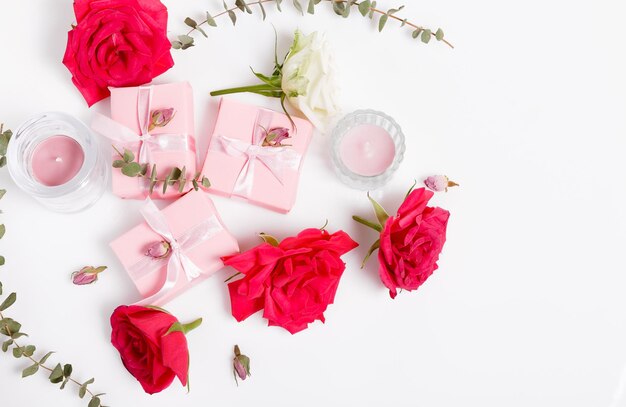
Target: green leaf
45, 358
439, 34
1, 282
371, 16
394, 10
177, 44
10, 300
381, 214
94, 402
83, 388
205, 182
118, 163
298, 6
262, 11
18, 352
311, 8
17, 335
29, 350
210, 20
416, 33
9, 327
67, 370
3, 230
2, 192
6, 344
232, 15
2, 261
195, 184
404, 22
426, 34
278, 2
338, 7
191, 22
241, 4
57, 374
131, 169
67, 379
185, 40
202, 31
128, 156
269, 239
364, 7
31, 370
382, 22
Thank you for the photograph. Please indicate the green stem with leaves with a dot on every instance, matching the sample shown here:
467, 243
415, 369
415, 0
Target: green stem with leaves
341, 7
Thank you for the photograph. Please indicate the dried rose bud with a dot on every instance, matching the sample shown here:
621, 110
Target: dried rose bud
159, 250
241, 365
439, 183
161, 118
275, 137
87, 275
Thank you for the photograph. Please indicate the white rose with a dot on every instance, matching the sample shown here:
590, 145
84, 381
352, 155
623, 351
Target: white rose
308, 78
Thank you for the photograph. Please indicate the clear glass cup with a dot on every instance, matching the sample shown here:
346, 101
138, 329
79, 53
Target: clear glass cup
80, 192
359, 118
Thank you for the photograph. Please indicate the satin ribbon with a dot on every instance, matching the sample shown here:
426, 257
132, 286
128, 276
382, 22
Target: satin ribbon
276, 159
119, 133
177, 262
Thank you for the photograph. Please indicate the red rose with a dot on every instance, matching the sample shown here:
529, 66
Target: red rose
293, 282
116, 43
410, 242
153, 356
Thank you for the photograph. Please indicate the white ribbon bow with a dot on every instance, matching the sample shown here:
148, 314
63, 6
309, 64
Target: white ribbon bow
178, 261
276, 159
117, 132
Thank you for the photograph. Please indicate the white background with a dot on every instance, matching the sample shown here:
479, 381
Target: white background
528, 306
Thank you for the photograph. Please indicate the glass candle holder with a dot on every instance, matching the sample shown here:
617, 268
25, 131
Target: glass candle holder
367, 149
57, 160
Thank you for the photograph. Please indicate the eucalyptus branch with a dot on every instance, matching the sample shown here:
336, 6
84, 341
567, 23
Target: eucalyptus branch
61, 373
367, 8
5, 136
134, 169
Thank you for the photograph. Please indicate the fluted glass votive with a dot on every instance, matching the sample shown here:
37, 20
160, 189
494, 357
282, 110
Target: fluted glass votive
367, 149
57, 160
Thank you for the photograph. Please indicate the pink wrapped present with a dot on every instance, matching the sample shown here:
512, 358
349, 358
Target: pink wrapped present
174, 248
241, 163
172, 145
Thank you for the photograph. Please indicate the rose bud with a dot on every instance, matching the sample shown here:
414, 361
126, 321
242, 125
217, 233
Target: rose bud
159, 250
87, 275
275, 137
241, 365
161, 118
439, 183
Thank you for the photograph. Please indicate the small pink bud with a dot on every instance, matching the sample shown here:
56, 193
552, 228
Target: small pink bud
161, 118
275, 137
159, 250
241, 365
439, 183
87, 275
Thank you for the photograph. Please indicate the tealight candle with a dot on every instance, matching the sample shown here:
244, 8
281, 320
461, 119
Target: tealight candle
368, 147
56, 159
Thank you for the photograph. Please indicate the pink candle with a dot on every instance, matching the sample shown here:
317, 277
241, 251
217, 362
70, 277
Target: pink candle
367, 150
56, 160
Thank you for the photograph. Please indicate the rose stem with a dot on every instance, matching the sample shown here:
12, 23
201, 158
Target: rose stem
34, 361
367, 223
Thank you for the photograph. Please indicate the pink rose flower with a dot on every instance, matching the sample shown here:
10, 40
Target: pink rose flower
293, 281
409, 243
116, 43
439, 183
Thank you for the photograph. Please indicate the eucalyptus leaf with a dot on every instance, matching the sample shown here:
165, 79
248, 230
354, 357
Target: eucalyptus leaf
118, 163
2, 192
67, 370
128, 156
298, 6
29, 350
262, 11
57, 374
278, 2
2, 261
177, 44
131, 169
426, 34
210, 20
185, 40
202, 31
372, 10
205, 182
191, 22
439, 34
416, 33
9, 327
311, 8
3, 161
364, 7
18, 352
195, 185
94, 402
10, 300
3, 230
382, 22
31, 370
45, 358
6, 344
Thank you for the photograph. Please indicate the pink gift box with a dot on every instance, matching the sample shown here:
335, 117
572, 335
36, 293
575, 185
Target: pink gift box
239, 121
182, 217
124, 110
